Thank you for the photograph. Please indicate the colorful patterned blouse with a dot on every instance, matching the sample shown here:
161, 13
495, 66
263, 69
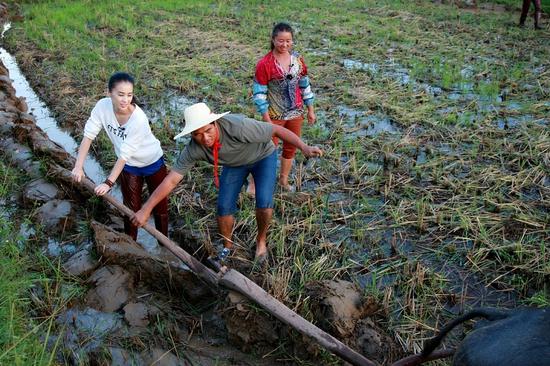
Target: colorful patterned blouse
282, 92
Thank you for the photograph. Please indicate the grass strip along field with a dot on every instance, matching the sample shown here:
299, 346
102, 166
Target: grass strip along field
433, 194
33, 289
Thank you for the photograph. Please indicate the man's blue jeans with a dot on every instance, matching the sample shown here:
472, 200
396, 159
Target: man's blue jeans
232, 179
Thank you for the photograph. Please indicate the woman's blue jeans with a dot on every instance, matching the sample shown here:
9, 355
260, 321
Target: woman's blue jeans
232, 179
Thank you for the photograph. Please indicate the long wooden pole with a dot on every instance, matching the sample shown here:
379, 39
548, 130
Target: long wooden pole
234, 280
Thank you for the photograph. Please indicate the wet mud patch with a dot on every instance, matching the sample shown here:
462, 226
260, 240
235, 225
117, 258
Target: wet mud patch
168, 110
161, 270
341, 308
459, 287
86, 331
336, 306
472, 100
360, 123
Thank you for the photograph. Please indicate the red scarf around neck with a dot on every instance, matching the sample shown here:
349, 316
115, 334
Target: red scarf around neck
215, 151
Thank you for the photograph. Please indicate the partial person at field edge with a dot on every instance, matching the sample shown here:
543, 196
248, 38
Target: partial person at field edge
281, 89
140, 156
525, 11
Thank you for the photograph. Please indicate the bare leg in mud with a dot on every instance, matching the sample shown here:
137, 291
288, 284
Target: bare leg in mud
263, 219
225, 226
251, 187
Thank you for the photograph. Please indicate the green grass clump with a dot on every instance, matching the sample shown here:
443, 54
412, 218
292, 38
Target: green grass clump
22, 340
20, 343
34, 289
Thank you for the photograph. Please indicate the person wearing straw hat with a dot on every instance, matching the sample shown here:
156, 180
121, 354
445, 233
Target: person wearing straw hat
242, 146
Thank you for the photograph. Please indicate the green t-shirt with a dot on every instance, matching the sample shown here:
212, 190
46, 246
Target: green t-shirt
243, 141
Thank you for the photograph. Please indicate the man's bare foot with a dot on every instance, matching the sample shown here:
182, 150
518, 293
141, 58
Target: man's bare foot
261, 255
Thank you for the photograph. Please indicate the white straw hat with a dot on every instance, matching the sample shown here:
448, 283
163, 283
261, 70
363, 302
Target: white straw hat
196, 116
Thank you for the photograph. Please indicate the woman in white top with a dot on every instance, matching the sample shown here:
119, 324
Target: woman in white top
137, 149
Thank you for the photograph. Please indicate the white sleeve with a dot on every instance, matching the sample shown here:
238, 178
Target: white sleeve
93, 125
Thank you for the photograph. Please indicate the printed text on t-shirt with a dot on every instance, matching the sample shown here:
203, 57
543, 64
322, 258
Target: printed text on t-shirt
119, 132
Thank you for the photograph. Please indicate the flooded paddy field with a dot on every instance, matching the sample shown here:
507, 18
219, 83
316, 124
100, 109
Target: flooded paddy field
432, 197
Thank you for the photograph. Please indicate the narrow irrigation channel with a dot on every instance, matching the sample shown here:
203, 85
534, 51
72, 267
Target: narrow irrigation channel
43, 116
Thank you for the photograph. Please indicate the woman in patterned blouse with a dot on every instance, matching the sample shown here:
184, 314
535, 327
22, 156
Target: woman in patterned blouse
281, 89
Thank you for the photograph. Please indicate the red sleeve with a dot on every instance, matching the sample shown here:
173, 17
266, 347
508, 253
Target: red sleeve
304, 67
262, 75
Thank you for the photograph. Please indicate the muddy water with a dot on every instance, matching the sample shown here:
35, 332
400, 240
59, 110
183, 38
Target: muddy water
460, 95
386, 249
169, 110
48, 124
462, 103
357, 123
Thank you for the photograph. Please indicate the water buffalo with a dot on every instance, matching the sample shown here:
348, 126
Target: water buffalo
519, 337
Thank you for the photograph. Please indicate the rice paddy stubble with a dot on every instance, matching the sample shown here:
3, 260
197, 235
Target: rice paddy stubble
472, 187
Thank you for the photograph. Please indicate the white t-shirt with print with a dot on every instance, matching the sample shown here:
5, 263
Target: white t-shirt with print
134, 142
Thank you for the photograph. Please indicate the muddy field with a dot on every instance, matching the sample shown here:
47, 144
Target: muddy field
432, 197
